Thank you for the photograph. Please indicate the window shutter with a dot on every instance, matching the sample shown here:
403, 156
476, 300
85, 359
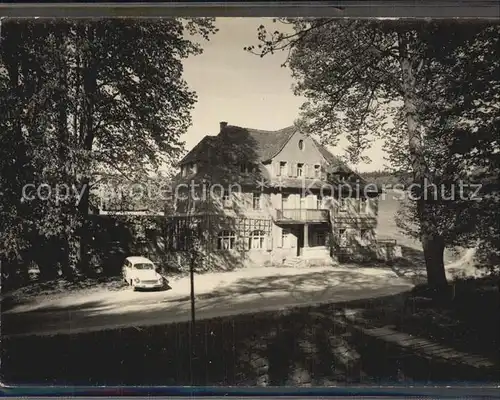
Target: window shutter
306, 170
269, 243
290, 169
237, 200
276, 168
246, 240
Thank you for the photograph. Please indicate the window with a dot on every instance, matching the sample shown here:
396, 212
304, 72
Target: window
284, 200
342, 204
283, 168
144, 266
301, 144
256, 201
285, 235
189, 168
363, 203
364, 234
303, 199
226, 240
226, 199
256, 240
342, 238
246, 168
300, 169
317, 171
181, 205
319, 202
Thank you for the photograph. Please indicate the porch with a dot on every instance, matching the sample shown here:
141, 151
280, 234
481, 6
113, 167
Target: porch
306, 240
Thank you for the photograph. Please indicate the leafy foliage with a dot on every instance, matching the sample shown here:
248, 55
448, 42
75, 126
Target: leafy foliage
410, 83
78, 98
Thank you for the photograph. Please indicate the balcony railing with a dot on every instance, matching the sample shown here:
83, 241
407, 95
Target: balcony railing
302, 215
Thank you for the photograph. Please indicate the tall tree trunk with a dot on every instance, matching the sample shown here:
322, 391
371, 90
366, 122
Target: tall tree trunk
433, 246
45, 261
83, 211
432, 243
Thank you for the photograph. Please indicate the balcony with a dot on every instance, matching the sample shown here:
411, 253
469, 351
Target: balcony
301, 216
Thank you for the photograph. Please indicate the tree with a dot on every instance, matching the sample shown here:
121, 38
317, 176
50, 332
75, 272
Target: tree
358, 76
85, 95
464, 118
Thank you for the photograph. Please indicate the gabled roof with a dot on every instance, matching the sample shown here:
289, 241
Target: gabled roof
270, 143
200, 149
333, 161
252, 145
265, 144
222, 175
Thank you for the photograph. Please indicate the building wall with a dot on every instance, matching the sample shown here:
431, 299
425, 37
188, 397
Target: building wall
292, 154
349, 228
350, 221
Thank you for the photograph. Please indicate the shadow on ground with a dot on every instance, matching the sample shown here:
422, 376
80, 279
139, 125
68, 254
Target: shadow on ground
53, 288
411, 266
242, 295
305, 346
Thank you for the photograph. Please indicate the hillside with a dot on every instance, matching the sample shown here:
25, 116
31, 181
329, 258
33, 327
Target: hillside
385, 179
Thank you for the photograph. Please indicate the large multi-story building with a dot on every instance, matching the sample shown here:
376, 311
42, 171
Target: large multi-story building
261, 197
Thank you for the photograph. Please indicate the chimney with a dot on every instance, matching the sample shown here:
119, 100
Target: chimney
223, 124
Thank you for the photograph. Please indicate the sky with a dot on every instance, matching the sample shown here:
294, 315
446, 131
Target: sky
244, 89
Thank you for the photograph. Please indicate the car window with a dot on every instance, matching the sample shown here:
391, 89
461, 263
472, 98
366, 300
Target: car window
144, 266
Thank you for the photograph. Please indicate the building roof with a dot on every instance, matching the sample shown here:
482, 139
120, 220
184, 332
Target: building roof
263, 144
270, 143
254, 145
199, 149
221, 175
335, 163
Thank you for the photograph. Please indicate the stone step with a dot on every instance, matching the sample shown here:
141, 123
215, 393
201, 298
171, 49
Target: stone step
305, 262
417, 345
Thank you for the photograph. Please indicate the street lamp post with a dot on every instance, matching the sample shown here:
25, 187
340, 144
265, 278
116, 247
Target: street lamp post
196, 223
192, 262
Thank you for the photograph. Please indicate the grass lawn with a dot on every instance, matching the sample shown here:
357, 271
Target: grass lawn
304, 346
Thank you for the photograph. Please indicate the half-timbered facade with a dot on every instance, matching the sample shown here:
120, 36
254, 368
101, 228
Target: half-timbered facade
272, 196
